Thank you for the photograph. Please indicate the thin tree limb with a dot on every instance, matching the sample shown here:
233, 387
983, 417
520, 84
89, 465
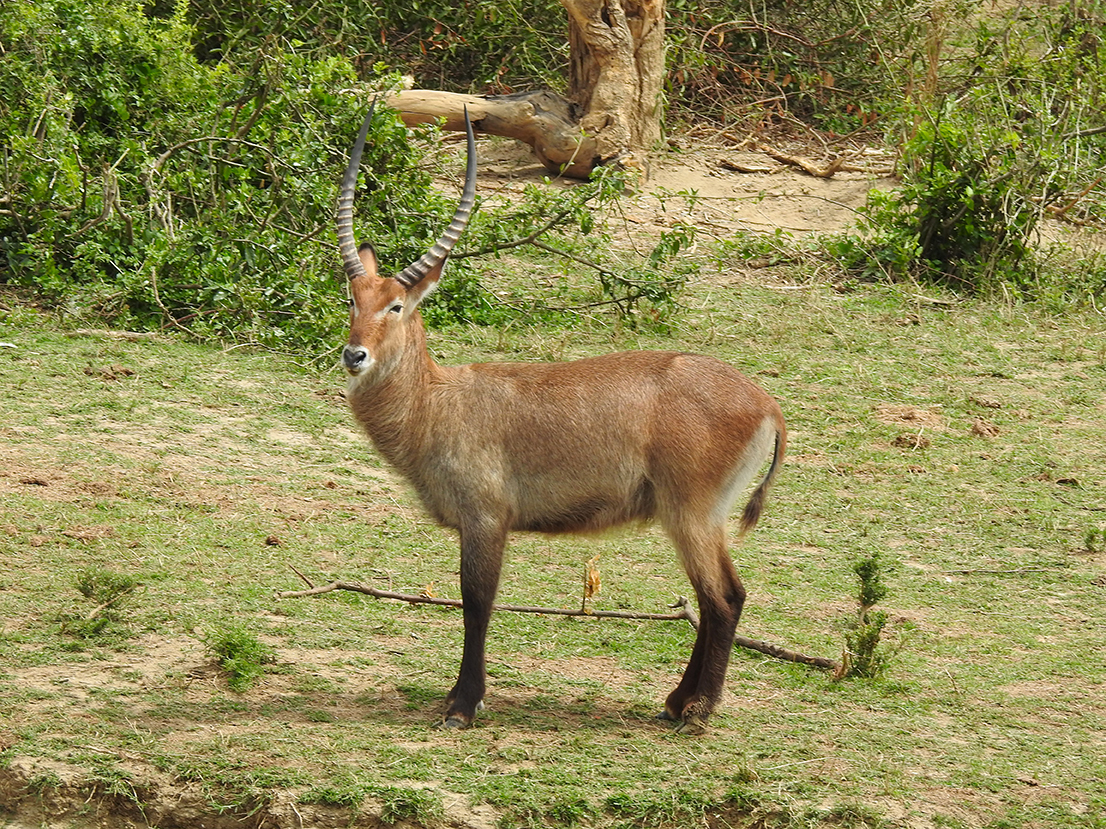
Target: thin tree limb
806, 166
511, 608
528, 239
777, 652
683, 607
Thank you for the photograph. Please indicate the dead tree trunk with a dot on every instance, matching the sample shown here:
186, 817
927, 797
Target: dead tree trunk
612, 112
617, 71
542, 119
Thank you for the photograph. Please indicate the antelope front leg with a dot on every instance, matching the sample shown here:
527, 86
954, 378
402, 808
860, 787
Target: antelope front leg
481, 560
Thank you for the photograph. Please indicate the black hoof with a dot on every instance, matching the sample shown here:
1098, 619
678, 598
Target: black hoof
457, 721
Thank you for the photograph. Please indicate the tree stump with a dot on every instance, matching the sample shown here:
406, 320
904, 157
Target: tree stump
612, 112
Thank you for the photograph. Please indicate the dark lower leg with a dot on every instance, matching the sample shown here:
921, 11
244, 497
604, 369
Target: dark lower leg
468, 692
689, 682
481, 559
719, 616
721, 598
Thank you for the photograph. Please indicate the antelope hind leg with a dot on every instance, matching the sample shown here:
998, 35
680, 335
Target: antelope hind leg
721, 598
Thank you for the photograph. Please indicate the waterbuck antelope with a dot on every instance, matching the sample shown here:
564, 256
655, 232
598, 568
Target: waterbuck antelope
555, 448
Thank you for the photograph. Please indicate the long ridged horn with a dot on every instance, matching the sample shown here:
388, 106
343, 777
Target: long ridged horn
412, 275
347, 245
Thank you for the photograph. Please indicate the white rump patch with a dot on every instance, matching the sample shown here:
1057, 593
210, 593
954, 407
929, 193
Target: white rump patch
756, 455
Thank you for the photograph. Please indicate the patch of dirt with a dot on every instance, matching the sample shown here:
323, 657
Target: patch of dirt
899, 414
735, 187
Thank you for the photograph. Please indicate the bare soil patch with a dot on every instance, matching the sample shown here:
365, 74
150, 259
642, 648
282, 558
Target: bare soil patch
735, 188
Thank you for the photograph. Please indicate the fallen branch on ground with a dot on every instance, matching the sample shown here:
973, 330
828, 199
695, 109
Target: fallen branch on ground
806, 166
683, 610
768, 649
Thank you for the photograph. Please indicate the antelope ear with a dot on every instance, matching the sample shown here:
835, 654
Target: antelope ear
368, 259
425, 286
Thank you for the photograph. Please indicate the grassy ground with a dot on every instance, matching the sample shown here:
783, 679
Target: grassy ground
962, 442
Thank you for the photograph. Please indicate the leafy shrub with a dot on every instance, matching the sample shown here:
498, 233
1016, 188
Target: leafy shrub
963, 216
863, 633
240, 654
987, 156
148, 189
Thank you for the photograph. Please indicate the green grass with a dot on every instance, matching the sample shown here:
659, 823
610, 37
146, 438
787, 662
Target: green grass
961, 442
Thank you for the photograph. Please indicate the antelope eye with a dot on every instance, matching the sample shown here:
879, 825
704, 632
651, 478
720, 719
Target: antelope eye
395, 308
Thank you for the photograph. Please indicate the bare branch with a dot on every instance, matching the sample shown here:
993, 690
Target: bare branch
684, 610
768, 649
808, 167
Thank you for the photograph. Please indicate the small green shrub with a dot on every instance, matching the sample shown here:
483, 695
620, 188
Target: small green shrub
240, 654
748, 246
108, 592
863, 633
105, 587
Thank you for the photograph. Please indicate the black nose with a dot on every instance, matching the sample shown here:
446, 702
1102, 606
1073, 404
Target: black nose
354, 357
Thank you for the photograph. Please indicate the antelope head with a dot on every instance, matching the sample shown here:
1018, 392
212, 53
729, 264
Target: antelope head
382, 309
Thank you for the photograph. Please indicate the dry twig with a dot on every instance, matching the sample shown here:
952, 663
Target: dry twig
683, 610
807, 166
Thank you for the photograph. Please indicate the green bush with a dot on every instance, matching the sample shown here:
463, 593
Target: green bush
240, 654
986, 157
151, 190
864, 657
